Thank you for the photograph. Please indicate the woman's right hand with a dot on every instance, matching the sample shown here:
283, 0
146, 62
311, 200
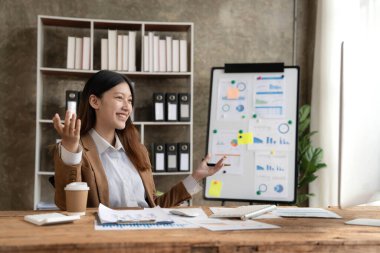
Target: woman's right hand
69, 132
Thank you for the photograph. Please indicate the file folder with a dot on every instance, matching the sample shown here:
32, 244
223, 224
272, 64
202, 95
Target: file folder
184, 107
158, 157
72, 101
159, 106
171, 157
171, 107
79, 96
184, 156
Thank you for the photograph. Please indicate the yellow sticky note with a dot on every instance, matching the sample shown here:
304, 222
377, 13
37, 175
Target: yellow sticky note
245, 138
232, 93
215, 188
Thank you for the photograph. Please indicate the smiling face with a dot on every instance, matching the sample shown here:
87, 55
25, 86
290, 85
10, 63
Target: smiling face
113, 108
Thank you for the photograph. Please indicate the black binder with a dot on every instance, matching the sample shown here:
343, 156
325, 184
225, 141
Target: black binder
171, 157
79, 93
171, 107
184, 107
158, 106
158, 163
72, 101
184, 156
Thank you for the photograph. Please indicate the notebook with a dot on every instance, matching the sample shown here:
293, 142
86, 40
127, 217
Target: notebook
50, 218
243, 212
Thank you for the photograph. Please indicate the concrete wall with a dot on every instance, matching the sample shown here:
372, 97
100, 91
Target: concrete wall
225, 31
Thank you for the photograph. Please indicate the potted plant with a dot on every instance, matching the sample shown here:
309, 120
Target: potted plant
309, 159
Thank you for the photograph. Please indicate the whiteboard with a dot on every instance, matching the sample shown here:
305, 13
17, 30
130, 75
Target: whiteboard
253, 122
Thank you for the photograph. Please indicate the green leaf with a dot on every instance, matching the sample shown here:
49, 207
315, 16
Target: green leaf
304, 112
302, 198
309, 160
309, 179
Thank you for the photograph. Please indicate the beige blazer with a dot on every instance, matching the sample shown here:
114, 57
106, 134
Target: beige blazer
90, 170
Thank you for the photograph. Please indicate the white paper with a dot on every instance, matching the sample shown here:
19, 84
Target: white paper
112, 49
224, 143
184, 165
364, 222
50, 218
104, 54
183, 56
176, 225
156, 53
172, 111
70, 52
269, 96
132, 51
272, 174
151, 50
159, 111
146, 53
86, 53
78, 53
178, 222
202, 215
233, 98
120, 54
160, 165
169, 54
172, 161
175, 55
72, 107
213, 224
228, 224
125, 53
305, 212
184, 110
162, 55
156, 215
271, 133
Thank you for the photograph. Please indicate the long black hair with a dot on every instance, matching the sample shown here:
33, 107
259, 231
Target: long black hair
99, 83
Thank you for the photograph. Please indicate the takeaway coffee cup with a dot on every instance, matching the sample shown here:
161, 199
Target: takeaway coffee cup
76, 198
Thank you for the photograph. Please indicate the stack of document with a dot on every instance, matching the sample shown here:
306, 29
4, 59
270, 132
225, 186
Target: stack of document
305, 212
141, 216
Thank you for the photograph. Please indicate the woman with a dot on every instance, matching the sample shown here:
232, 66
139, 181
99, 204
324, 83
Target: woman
102, 148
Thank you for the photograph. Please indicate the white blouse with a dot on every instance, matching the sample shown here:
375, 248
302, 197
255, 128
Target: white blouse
124, 182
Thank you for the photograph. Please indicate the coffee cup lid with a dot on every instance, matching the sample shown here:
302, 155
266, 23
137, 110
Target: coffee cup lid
77, 186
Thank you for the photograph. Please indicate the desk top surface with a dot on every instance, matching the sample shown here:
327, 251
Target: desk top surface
295, 235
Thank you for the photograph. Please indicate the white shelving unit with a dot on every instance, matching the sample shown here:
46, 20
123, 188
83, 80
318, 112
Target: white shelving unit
53, 78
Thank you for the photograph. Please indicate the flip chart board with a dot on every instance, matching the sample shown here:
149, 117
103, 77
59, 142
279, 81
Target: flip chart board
253, 122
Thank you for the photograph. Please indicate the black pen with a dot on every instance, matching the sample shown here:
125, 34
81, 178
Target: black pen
213, 164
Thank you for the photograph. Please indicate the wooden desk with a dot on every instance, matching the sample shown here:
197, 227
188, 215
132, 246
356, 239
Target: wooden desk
295, 235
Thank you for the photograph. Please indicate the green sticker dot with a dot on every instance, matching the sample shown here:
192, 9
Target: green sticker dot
240, 131
254, 116
258, 192
243, 116
233, 81
215, 131
290, 122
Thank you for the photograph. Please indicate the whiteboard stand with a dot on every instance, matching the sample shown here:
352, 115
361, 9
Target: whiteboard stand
253, 118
